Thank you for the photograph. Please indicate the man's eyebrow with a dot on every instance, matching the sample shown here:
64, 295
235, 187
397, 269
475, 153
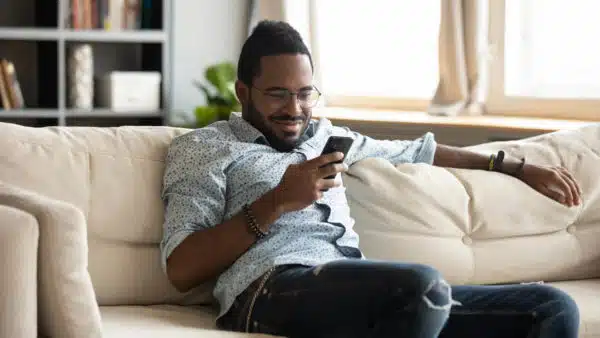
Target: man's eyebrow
283, 88
275, 88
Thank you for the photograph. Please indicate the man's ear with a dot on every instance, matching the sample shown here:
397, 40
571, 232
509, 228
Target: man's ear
242, 91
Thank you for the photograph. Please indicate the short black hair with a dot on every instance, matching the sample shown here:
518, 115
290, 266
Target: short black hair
268, 38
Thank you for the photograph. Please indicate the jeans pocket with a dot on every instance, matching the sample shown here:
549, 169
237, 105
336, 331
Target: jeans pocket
236, 318
259, 327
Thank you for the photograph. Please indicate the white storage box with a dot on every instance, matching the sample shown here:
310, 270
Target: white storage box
129, 91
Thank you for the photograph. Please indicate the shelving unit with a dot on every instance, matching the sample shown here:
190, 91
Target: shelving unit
36, 35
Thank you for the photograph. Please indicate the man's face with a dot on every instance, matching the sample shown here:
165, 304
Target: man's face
268, 105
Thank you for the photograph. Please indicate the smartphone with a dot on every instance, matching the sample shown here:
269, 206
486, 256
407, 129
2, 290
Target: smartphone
337, 143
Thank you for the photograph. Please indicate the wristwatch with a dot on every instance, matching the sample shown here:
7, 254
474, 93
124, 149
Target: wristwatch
499, 164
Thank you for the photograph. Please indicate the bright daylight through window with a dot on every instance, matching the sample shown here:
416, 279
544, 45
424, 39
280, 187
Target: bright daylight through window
378, 48
551, 48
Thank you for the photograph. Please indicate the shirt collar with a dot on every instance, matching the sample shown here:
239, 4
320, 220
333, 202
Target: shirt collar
245, 132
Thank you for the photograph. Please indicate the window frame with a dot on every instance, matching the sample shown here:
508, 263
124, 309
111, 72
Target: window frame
498, 103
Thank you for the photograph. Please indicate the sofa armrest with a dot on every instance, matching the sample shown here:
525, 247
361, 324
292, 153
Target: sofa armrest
67, 304
18, 275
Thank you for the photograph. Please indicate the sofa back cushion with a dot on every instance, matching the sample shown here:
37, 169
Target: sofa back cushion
114, 176
483, 227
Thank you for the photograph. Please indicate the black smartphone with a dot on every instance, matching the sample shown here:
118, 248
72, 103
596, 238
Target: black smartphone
337, 143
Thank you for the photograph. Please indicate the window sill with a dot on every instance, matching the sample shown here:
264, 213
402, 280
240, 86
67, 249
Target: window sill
424, 119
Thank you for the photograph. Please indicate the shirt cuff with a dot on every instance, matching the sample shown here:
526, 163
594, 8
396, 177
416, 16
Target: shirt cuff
169, 245
426, 153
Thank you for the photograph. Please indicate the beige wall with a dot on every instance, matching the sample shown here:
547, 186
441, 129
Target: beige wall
204, 32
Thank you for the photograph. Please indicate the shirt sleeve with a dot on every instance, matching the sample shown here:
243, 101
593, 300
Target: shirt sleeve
193, 192
420, 150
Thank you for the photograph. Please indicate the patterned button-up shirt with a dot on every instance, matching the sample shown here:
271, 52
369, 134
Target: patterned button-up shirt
212, 172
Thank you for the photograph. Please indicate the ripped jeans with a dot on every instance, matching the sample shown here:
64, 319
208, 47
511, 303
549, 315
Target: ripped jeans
366, 298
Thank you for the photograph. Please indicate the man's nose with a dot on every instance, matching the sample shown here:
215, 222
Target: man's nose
293, 105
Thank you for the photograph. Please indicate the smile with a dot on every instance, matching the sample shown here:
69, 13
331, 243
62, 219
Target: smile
289, 126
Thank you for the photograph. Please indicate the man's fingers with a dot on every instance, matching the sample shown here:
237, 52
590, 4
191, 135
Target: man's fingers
326, 184
323, 160
331, 169
572, 186
566, 172
560, 181
553, 194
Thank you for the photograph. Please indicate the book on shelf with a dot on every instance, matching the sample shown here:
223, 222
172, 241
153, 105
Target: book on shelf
11, 96
111, 15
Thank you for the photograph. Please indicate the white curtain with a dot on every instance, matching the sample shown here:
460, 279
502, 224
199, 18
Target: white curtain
294, 12
463, 59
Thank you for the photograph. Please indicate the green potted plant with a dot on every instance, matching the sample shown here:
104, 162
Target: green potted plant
219, 91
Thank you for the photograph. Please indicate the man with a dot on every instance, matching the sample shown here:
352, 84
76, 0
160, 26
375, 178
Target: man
247, 201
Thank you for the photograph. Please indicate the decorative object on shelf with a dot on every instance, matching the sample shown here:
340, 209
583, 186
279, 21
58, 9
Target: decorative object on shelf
220, 99
11, 96
81, 77
122, 91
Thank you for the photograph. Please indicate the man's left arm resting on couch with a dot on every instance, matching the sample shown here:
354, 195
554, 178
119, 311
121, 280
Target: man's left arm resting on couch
454, 157
555, 182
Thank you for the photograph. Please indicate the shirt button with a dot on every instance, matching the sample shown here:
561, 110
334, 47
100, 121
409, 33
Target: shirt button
467, 240
571, 229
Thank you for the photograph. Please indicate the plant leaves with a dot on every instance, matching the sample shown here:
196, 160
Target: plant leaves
204, 89
206, 115
220, 100
230, 93
221, 75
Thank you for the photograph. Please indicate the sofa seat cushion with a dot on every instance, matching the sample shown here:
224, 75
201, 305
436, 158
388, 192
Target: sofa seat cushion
586, 294
162, 321
199, 321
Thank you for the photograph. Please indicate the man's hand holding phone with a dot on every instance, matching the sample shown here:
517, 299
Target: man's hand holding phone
303, 183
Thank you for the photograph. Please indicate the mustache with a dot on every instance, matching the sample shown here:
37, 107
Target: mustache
289, 118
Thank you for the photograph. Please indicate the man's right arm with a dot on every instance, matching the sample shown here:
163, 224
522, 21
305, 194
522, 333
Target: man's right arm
198, 245
205, 254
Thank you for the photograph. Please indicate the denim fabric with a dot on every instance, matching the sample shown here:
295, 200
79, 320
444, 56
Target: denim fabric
348, 298
512, 311
366, 298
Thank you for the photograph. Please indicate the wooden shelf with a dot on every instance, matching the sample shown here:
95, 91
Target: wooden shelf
29, 34
30, 113
37, 36
139, 36
50, 34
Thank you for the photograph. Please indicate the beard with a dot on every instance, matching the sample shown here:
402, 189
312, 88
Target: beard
264, 124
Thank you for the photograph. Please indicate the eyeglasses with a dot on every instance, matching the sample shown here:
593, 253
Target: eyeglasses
278, 98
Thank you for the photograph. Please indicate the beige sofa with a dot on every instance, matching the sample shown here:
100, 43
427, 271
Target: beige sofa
81, 217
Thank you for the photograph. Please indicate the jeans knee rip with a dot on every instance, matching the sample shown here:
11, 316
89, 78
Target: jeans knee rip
438, 296
318, 269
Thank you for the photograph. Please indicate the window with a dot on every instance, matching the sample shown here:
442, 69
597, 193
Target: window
547, 61
378, 52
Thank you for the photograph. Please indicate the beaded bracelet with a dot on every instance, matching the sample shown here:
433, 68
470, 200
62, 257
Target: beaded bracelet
252, 223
